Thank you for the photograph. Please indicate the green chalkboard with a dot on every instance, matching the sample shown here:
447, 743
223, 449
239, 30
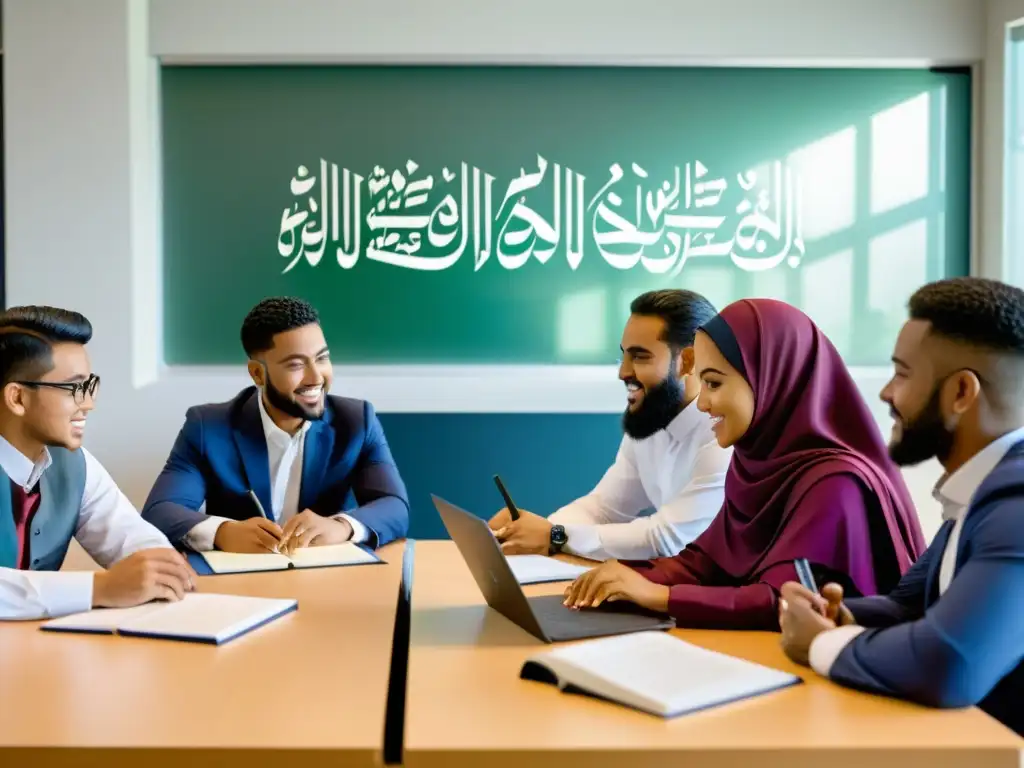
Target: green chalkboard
508, 214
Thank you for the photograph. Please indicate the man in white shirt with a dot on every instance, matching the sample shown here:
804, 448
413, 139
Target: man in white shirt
951, 634
53, 490
272, 469
668, 461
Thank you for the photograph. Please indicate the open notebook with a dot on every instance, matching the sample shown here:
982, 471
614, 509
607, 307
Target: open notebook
200, 618
653, 672
537, 569
206, 563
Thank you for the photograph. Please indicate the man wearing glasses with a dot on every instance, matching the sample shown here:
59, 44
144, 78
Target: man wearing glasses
53, 490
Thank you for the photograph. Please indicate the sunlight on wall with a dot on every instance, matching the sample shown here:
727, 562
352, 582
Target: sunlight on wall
714, 284
582, 324
899, 154
1014, 208
897, 266
827, 297
828, 172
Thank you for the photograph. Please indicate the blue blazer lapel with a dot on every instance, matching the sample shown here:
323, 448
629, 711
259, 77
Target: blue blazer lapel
252, 447
8, 537
316, 453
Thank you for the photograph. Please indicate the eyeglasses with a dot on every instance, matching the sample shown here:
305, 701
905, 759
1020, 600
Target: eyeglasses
78, 389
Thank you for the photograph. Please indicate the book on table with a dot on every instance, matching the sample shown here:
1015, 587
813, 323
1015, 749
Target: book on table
199, 617
329, 556
654, 672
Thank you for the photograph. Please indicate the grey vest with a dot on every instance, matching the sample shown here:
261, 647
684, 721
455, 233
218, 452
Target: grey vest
53, 526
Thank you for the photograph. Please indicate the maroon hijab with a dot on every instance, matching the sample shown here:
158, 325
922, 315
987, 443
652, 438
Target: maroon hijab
809, 422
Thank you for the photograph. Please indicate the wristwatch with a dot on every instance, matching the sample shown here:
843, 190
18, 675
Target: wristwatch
558, 538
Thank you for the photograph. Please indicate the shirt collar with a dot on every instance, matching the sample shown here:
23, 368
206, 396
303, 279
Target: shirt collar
21, 469
687, 421
271, 431
957, 489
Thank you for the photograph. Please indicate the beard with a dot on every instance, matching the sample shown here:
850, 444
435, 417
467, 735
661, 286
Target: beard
292, 407
660, 405
924, 437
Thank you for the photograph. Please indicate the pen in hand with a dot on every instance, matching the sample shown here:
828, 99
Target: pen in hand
806, 576
513, 511
262, 511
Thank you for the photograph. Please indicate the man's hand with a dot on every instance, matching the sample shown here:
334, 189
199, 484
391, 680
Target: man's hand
613, 581
257, 535
149, 574
803, 615
836, 609
308, 529
529, 535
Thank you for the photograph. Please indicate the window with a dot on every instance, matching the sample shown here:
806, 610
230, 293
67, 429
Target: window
1013, 211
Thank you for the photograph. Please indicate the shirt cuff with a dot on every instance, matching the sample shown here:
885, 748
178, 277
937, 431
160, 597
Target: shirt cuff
64, 592
201, 537
360, 533
583, 540
827, 646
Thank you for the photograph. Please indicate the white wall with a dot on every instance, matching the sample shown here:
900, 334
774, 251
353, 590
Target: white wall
994, 259
81, 150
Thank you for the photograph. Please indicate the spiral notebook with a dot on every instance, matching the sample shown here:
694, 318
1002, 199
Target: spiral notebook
654, 672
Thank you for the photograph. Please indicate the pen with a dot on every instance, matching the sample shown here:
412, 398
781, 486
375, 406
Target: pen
803, 571
259, 507
513, 511
262, 511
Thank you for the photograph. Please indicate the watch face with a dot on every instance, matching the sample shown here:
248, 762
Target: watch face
558, 534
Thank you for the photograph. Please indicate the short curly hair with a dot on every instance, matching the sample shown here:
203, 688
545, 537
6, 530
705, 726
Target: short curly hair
973, 310
273, 316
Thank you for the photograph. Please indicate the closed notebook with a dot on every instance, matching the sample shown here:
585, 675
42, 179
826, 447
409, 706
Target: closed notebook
199, 617
537, 569
654, 672
217, 562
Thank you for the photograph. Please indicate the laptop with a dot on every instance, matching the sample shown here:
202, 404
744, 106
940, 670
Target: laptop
544, 617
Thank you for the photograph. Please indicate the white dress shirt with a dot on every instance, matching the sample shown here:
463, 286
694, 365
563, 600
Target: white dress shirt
955, 493
284, 455
679, 472
109, 528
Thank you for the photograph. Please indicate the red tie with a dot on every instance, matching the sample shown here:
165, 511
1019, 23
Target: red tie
24, 506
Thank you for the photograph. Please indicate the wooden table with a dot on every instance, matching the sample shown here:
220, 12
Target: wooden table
467, 706
311, 686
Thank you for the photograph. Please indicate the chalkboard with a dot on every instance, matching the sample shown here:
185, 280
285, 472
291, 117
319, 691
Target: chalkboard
472, 214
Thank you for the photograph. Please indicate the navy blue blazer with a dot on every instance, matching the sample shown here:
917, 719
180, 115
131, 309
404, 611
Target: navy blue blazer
221, 452
966, 647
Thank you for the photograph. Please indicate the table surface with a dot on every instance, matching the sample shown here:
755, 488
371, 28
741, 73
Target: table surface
466, 704
314, 681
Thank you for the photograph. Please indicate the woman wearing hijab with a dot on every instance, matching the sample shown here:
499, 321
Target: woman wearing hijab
810, 478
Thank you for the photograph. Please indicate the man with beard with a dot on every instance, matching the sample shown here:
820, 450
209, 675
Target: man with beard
668, 460
298, 450
951, 634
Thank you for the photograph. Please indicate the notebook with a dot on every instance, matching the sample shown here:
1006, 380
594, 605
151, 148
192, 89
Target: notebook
217, 562
538, 569
199, 617
653, 672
